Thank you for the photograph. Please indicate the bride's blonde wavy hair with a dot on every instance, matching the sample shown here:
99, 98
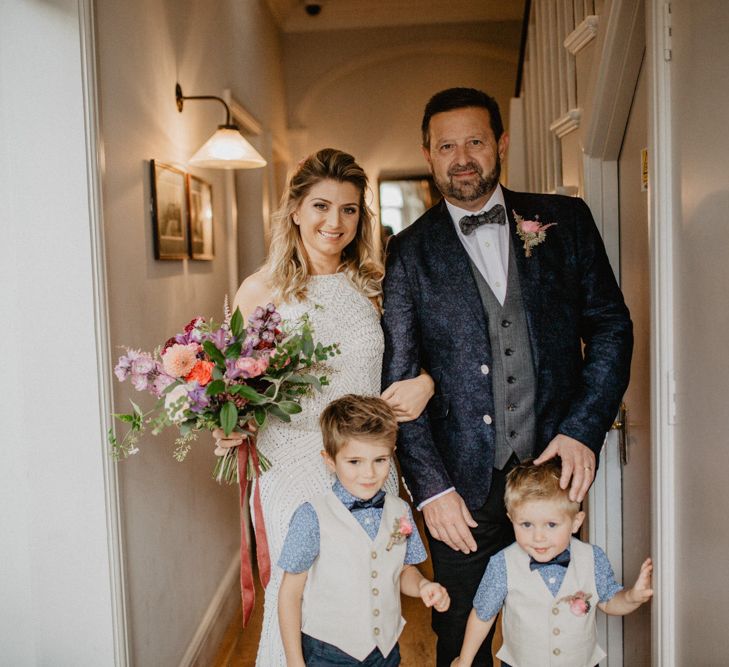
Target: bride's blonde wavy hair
287, 264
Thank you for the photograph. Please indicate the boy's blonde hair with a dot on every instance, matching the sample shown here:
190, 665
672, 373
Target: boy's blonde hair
529, 482
361, 417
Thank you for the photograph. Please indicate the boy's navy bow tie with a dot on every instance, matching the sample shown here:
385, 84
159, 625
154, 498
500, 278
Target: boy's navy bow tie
378, 500
562, 559
495, 216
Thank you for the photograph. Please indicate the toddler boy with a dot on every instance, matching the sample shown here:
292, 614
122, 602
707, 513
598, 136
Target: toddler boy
547, 582
350, 552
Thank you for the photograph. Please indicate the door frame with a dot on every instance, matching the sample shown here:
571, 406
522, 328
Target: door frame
633, 32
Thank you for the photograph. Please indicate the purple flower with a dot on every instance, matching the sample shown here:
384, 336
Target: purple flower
142, 365
219, 338
160, 382
198, 398
232, 372
140, 382
123, 368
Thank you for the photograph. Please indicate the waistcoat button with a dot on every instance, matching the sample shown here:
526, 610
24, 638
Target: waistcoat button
508, 351
377, 631
375, 612
375, 591
374, 574
555, 611
374, 554
556, 651
511, 379
513, 434
505, 323
555, 632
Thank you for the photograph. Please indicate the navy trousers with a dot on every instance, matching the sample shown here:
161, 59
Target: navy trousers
321, 654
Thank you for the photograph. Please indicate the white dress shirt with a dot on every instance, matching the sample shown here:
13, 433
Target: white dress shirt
487, 245
488, 248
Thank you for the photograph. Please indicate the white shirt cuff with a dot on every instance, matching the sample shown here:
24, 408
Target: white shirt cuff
435, 497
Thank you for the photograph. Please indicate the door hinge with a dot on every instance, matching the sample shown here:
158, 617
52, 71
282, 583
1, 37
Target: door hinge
667, 32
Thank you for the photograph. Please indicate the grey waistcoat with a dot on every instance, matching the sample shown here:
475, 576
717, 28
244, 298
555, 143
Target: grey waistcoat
512, 368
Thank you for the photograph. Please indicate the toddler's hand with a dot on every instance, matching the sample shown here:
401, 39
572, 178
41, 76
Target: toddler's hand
434, 595
642, 591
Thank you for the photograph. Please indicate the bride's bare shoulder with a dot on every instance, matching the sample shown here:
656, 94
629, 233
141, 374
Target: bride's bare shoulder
254, 291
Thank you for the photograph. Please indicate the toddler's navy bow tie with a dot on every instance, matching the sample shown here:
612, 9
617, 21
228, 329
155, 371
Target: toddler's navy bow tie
378, 500
494, 216
562, 559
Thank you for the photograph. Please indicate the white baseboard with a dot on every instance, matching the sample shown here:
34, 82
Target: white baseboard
226, 596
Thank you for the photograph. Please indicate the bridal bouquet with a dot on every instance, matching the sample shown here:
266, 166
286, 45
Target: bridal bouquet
223, 376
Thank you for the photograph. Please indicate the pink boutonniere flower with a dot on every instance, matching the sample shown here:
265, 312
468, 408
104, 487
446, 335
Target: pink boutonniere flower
401, 530
579, 603
531, 232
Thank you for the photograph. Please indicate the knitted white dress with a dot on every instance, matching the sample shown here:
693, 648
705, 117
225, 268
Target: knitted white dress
339, 313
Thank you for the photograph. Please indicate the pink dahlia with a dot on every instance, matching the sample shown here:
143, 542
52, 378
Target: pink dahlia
179, 360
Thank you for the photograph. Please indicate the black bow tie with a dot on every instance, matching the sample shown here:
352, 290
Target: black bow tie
378, 500
494, 216
562, 559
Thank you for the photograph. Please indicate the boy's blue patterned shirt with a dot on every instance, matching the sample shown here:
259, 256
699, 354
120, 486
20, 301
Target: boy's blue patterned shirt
492, 590
301, 546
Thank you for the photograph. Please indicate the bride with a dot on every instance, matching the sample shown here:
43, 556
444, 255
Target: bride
322, 262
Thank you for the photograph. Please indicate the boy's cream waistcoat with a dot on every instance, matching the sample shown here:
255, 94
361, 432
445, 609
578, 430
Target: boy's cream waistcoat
539, 629
352, 593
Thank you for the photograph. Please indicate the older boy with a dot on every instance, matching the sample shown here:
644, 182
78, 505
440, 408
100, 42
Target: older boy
548, 582
349, 553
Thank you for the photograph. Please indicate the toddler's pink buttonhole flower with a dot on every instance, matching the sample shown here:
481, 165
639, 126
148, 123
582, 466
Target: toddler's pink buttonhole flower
530, 226
405, 526
251, 367
579, 607
178, 360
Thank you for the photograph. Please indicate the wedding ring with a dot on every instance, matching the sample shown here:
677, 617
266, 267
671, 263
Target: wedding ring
588, 467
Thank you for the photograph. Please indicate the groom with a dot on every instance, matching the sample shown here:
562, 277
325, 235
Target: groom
508, 301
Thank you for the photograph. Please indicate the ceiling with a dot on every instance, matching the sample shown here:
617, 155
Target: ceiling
292, 16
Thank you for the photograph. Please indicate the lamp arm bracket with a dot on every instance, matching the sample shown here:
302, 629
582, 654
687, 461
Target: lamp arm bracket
180, 99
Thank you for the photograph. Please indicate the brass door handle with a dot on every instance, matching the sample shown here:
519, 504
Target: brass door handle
621, 426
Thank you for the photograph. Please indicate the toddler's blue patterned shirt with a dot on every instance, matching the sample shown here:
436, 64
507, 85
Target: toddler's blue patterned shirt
492, 590
301, 546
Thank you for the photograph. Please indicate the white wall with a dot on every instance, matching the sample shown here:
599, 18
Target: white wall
700, 63
181, 529
56, 600
364, 90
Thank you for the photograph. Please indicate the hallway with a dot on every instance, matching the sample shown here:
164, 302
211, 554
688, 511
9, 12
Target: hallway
135, 565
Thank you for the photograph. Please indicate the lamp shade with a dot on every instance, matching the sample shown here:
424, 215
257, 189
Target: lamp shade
227, 149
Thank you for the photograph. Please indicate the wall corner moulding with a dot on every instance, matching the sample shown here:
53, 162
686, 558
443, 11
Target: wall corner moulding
567, 123
582, 35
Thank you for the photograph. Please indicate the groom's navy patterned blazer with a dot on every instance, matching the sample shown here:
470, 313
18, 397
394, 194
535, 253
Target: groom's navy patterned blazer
434, 319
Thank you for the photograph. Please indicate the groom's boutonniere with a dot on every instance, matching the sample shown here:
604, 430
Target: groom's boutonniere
532, 232
579, 603
401, 530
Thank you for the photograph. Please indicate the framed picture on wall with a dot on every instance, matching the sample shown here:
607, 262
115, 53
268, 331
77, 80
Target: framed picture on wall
200, 205
169, 211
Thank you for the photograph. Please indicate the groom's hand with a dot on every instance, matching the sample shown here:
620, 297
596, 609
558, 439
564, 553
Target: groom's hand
578, 463
448, 520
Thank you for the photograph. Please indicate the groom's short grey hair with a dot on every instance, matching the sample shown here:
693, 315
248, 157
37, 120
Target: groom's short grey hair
460, 98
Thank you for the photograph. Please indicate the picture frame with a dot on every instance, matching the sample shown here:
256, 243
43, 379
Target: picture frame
169, 211
200, 207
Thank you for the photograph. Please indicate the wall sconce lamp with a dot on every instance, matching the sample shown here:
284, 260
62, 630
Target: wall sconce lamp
227, 148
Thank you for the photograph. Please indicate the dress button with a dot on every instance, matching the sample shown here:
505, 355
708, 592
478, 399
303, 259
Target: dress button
508, 351
485, 369
505, 323
556, 651
487, 419
375, 591
555, 632
511, 379
374, 574
374, 554
513, 434
377, 632
555, 611
376, 612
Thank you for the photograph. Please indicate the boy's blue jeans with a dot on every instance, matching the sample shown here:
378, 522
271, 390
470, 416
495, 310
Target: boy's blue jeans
320, 654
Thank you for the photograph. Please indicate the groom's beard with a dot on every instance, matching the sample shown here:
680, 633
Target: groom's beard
468, 192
